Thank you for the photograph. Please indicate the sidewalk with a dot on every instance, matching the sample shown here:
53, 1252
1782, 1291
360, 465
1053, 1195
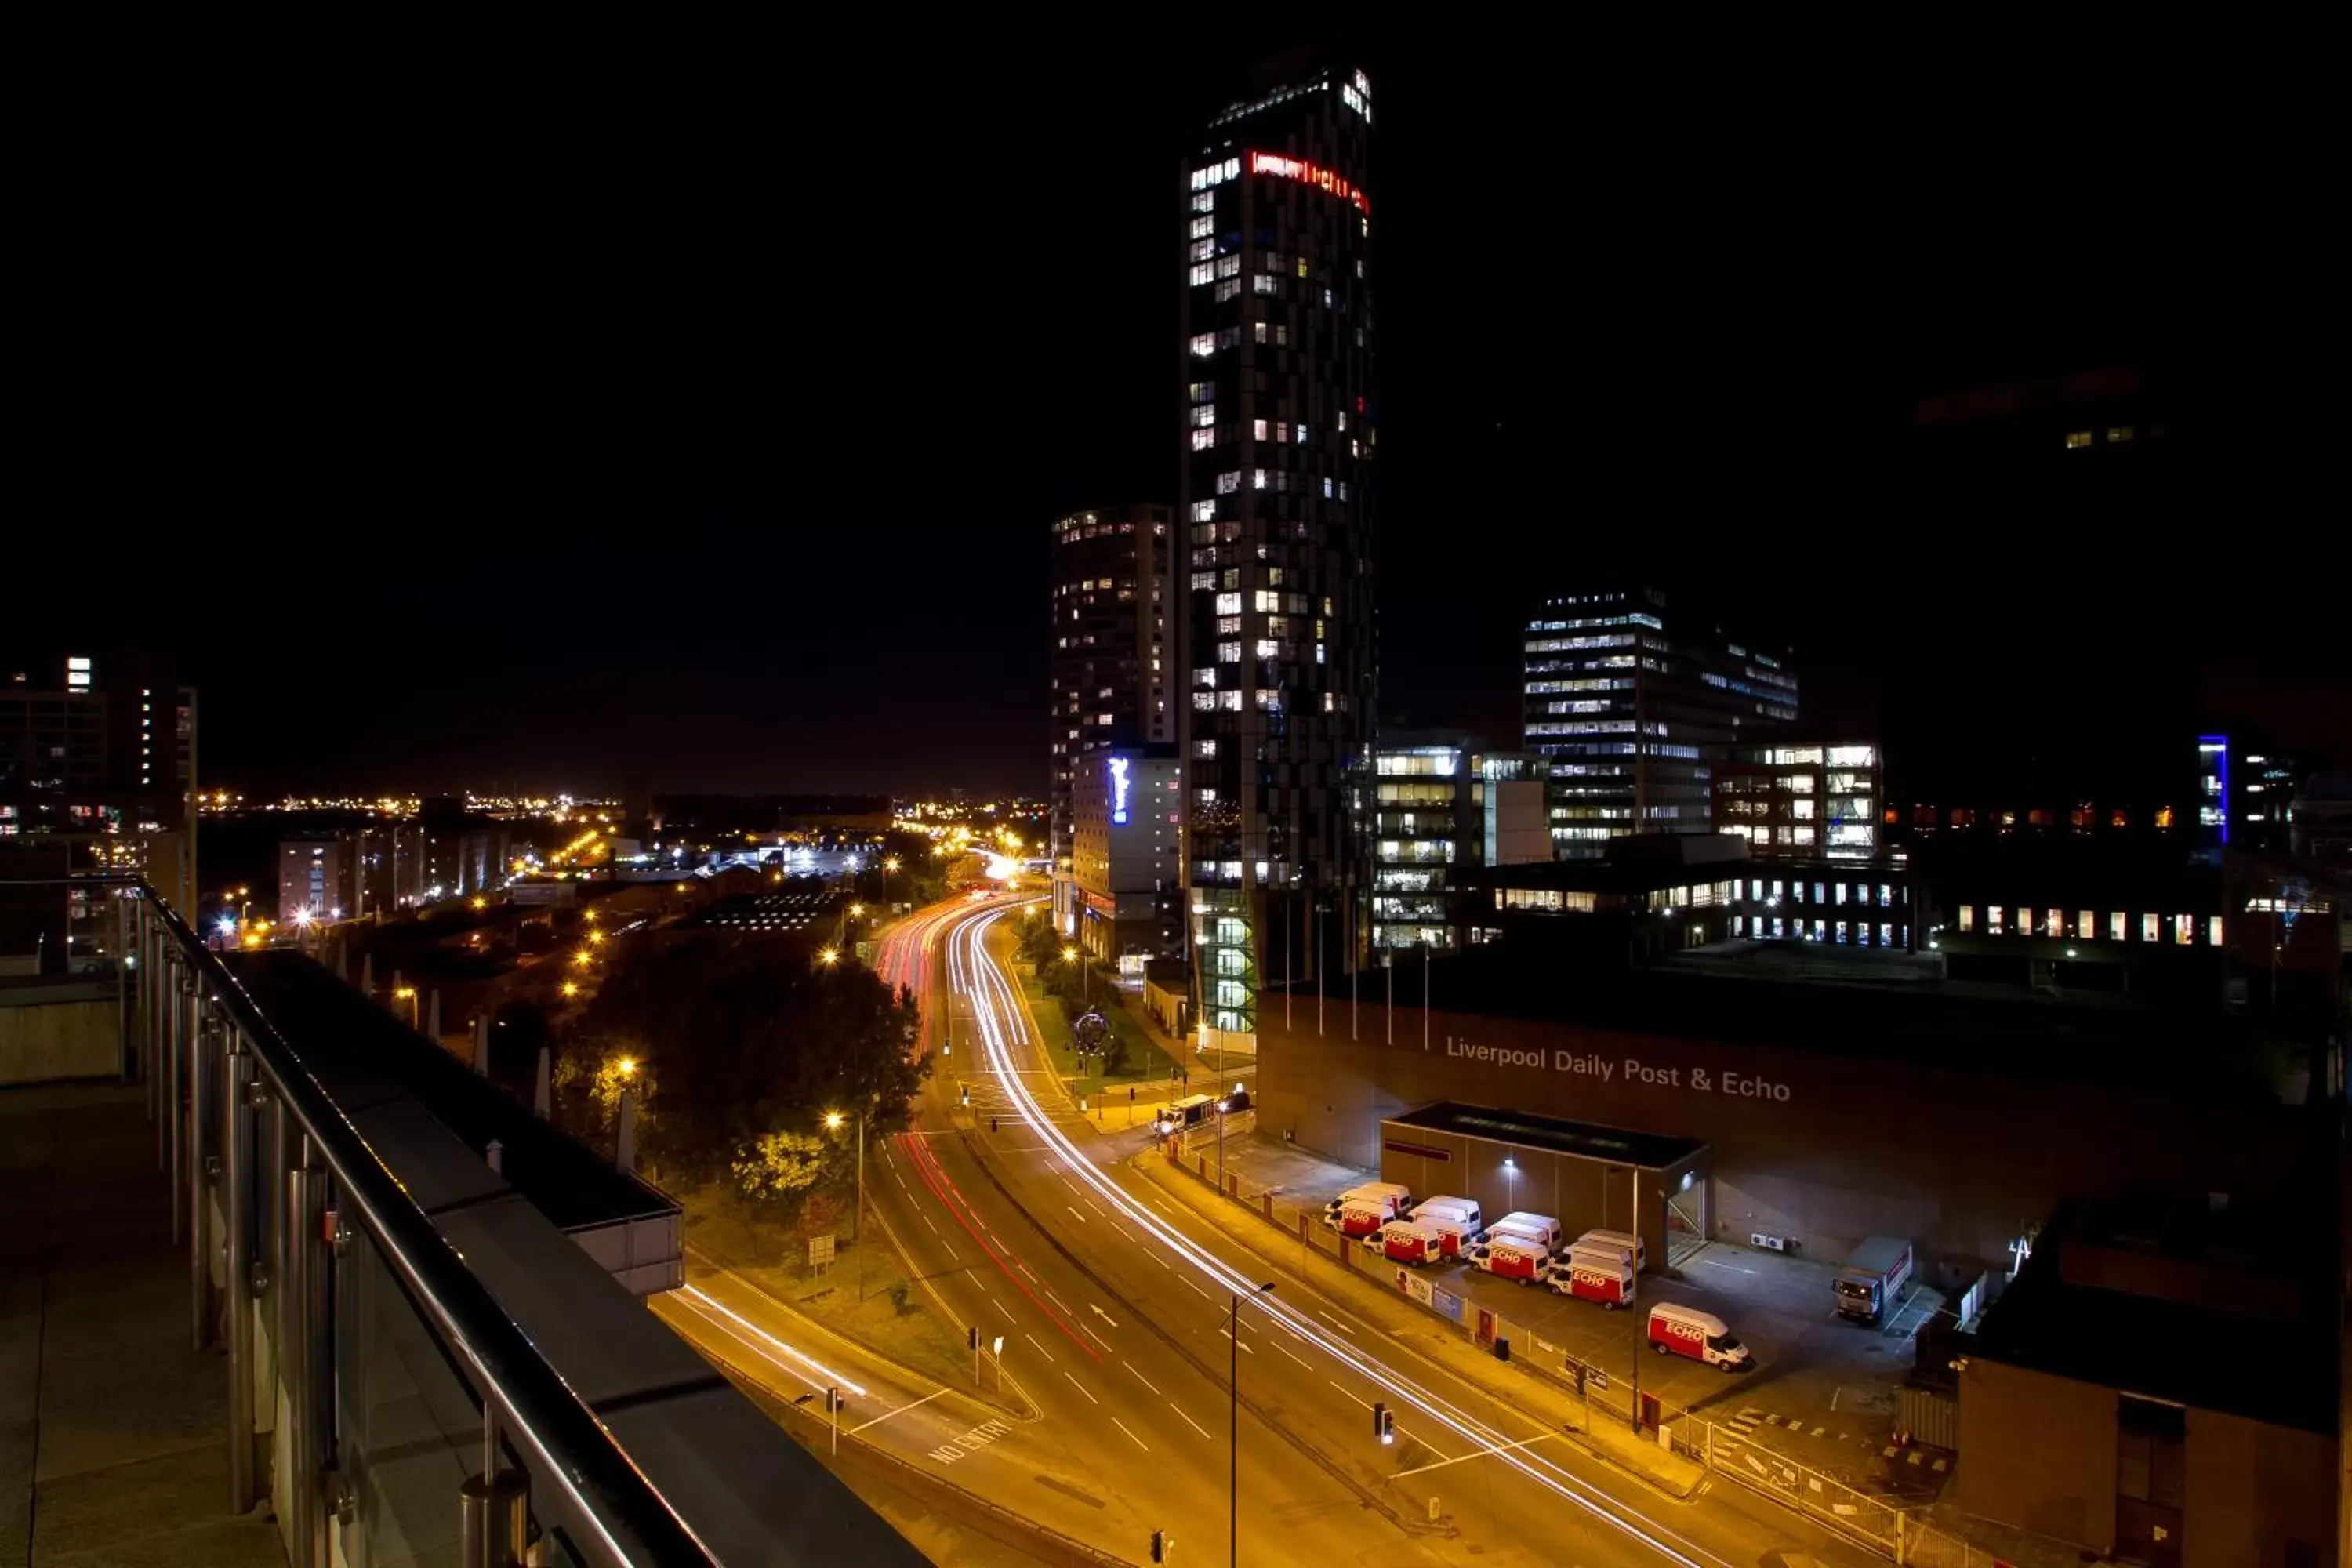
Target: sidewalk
1399, 1320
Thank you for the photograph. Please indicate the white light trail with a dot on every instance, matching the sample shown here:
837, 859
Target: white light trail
833, 1377
997, 1014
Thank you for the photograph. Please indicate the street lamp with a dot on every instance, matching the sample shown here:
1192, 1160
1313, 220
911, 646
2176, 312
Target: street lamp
828, 956
1233, 1436
833, 1120
889, 864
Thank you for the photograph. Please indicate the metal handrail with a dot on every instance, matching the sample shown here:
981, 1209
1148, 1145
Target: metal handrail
539, 1410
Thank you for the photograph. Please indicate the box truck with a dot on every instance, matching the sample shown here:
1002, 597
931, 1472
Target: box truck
1873, 1278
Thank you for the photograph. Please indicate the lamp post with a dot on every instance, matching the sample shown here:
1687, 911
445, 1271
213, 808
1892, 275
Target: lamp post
889, 864
1233, 1435
833, 1120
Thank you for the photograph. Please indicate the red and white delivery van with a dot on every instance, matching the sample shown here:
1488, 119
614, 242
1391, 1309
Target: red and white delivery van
1702, 1336
1511, 1255
1393, 1196
1594, 1274
1360, 1221
1411, 1241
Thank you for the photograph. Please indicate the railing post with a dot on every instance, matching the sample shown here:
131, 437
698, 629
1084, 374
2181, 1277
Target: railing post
200, 1072
237, 1270
492, 1513
306, 1265
164, 1024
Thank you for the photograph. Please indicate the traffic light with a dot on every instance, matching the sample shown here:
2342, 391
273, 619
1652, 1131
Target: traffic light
991, 1124
835, 1402
963, 1091
1160, 1546
1383, 1422
974, 1343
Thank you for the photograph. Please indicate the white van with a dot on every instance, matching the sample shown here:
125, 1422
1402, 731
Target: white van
1461, 1214
1418, 1241
1625, 1241
1600, 1274
1540, 1228
1702, 1336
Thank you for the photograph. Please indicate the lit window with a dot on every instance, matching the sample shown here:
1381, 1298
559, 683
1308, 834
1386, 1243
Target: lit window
2053, 924
1261, 284
2148, 929
1229, 653
2076, 438
2115, 925
1201, 227
1204, 413
1204, 512
1992, 919
2184, 929
1204, 345
1229, 604
1257, 428
2118, 434
1204, 748
2086, 925
2213, 930
1268, 648
1229, 482
1231, 701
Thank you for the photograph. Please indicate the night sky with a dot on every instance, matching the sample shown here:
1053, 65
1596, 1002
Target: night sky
530, 437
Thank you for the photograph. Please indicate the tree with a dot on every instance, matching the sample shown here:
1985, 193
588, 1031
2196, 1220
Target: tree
776, 1168
747, 1040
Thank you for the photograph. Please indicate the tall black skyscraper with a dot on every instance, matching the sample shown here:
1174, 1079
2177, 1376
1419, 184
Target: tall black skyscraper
1278, 440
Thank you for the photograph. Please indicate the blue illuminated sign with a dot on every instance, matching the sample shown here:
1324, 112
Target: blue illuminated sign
1118, 791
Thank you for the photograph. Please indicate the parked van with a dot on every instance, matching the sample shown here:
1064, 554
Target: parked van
1395, 1197
1702, 1336
1361, 1221
1510, 1255
1624, 1241
1417, 1242
1540, 1228
1600, 1274
1873, 1278
1462, 1213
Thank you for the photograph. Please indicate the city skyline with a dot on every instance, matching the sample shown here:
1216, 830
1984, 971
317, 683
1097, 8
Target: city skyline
539, 585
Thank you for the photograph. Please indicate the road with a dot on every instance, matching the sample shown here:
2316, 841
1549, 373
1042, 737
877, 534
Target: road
1113, 1307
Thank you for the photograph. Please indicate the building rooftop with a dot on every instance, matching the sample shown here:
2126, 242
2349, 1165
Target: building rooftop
355, 1047
1585, 1140
2235, 1328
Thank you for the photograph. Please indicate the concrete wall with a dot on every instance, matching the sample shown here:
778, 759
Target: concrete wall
1821, 1147
2252, 1489
64, 1030
2038, 1453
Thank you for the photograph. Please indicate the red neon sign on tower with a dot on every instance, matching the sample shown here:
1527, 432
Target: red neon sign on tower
1308, 173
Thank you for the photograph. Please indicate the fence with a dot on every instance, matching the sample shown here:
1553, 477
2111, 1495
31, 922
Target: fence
1873, 1523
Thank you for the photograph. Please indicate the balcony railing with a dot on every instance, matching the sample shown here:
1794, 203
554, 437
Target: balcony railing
423, 1367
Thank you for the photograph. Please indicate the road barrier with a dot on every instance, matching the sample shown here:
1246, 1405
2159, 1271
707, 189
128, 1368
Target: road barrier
1872, 1522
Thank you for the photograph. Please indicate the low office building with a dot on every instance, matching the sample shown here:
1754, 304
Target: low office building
1121, 899
2159, 1384
1443, 804
1810, 801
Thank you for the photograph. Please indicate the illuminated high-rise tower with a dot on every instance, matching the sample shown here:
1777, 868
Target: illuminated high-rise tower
1278, 440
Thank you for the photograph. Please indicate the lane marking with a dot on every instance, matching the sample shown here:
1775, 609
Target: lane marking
1292, 1354
1335, 1322
1365, 1402
1473, 1453
1247, 1350
1196, 1289
1098, 1208
901, 1410
1075, 1214
999, 1306
1189, 1421
1040, 1349
935, 1231
1140, 1378
1132, 1436
1082, 1389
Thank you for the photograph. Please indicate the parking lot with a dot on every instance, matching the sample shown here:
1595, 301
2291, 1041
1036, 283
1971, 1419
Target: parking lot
1821, 1391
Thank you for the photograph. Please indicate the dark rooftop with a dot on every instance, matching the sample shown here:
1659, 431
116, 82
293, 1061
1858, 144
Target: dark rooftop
2255, 1314
346, 1042
789, 911
1584, 1140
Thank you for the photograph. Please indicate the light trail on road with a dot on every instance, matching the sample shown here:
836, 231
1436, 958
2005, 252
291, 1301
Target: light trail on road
998, 1020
